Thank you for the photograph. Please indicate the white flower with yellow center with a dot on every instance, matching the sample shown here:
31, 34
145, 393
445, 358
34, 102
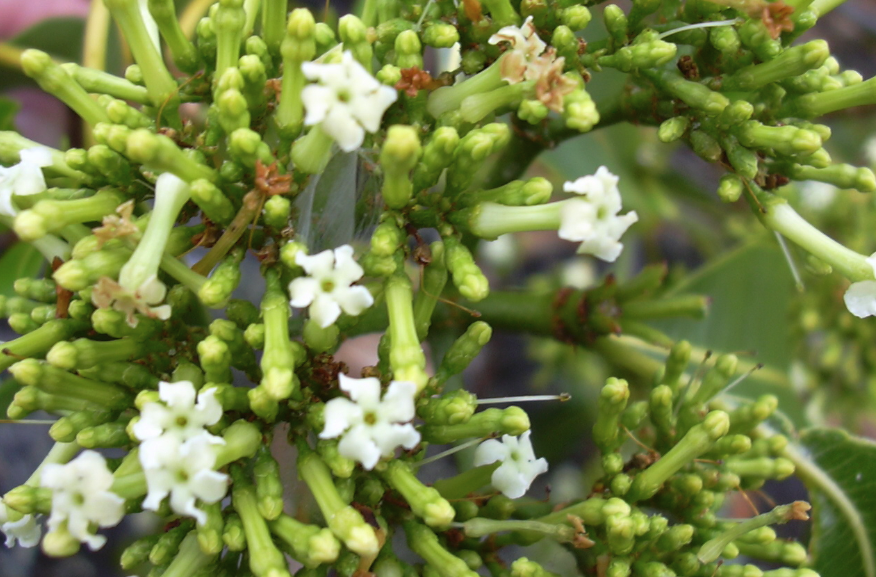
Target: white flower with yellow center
594, 220
328, 290
179, 415
24, 178
346, 100
81, 496
183, 471
371, 427
519, 466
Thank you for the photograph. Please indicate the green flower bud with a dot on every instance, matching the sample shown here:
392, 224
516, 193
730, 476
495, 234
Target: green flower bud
232, 533
449, 409
705, 146
424, 501
440, 35
616, 24
265, 560
646, 55
786, 140
398, 157
310, 544
424, 543
464, 350
105, 435
276, 212
138, 552
511, 421
673, 129
467, 276
57, 82
730, 188
576, 17
167, 546
612, 401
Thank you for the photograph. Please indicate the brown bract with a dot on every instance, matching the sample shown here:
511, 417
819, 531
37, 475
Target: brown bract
777, 18
269, 182
413, 80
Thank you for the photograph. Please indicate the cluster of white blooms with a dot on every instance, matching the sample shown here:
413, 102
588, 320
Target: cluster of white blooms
518, 468
176, 453
328, 290
24, 178
594, 220
81, 496
345, 101
860, 298
371, 427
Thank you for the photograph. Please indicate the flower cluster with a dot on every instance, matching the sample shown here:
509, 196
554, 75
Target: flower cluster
176, 450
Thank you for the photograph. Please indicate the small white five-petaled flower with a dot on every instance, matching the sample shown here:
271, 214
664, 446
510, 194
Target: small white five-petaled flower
81, 495
860, 297
346, 100
594, 219
327, 289
179, 416
519, 466
24, 178
183, 470
371, 427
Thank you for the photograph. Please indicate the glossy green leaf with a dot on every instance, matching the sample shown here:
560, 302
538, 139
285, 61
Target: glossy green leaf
22, 260
840, 472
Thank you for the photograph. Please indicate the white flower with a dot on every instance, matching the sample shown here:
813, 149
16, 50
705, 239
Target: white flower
24, 178
179, 416
183, 470
25, 530
860, 297
519, 466
347, 100
327, 290
371, 427
594, 220
522, 61
81, 495
108, 292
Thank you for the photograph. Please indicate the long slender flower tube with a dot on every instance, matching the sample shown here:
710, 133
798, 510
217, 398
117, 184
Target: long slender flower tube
593, 219
161, 86
139, 288
298, 46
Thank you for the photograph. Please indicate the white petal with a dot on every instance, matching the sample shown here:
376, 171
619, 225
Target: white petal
154, 419
302, 291
357, 445
26, 530
347, 270
369, 110
343, 127
37, 156
490, 451
317, 102
353, 300
180, 394
365, 392
398, 402
860, 298
389, 436
509, 481
340, 414
577, 220
210, 486
319, 265
324, 310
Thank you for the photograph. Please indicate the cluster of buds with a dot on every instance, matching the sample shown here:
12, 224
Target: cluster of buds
275, 112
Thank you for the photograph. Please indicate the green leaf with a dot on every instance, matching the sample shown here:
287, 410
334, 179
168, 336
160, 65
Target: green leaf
8, 110
60, 37
840, 473
20, 261
750, 288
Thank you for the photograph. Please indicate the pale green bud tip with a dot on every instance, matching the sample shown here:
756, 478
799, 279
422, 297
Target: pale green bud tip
438, 514
716, 424
441, 35
289, 251
352, 30
408, 43
389, 75
30, 226
26, 372
62, 355
35, 62
730, 188
60, 543
514, 422
615, 392
301, 24
323, 547
402, 146
362, 540
481, 332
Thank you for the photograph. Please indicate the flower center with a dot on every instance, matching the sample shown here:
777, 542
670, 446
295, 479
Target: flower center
78, 499
328, 286
370, 418
182, 421
182, 476
344, 95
